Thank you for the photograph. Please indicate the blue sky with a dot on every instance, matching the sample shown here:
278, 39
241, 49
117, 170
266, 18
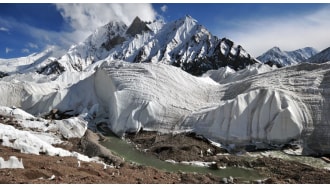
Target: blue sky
29, 28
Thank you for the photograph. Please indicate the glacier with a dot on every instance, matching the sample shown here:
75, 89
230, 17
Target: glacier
259, 104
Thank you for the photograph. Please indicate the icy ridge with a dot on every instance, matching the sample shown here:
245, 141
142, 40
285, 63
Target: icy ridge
31, 63
320, 57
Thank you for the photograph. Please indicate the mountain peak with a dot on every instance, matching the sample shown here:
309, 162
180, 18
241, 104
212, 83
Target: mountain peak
187, 17
308, 48
137, 19
275, 48
115, 23
137, 27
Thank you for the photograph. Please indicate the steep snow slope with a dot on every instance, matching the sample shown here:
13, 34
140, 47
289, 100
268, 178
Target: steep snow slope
95, 47
320, 57
285, 58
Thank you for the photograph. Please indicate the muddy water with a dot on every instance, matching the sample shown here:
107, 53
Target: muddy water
127, 151
308, 160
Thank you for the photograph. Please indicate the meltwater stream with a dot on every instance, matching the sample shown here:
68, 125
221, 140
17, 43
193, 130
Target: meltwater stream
127, 151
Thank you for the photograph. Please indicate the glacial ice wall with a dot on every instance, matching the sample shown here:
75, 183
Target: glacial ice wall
69, 91
152, 96
272, 107
253, 105
261, 115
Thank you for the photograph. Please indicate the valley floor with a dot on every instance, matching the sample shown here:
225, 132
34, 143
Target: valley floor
54, 169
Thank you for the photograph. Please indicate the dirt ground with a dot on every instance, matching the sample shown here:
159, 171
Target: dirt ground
187, 147
41, 168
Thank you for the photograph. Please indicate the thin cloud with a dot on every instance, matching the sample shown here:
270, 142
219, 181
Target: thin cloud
85, 18
37, 35
163, 8
8, 50
288, 33
33, 45
4, 29
25, 50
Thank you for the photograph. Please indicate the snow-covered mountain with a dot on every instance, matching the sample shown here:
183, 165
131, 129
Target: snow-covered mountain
284, 58
320, 57
183, 43
43, 63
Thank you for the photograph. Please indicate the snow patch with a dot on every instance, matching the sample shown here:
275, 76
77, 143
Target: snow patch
12, 163
74, 127
15, 112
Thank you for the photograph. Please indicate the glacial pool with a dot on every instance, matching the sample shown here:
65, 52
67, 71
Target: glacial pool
131, 154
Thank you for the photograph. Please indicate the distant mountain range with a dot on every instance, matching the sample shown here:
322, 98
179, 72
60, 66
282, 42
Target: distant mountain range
284, 58
183, 43
275, 56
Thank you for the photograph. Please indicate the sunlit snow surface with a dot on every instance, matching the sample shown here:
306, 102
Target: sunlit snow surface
256, 105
